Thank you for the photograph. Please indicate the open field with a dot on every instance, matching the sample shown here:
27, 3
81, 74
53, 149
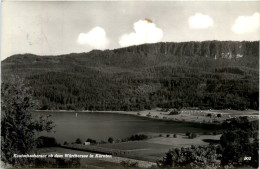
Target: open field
141, 150
95, 163
182, 140
152, 149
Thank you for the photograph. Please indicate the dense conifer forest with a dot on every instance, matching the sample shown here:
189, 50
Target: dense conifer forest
209, 74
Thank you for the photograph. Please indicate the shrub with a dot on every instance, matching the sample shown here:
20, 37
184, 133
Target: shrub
174, 112
110, 140
219, 115
91, 141
43, 141
188, 134
78, 141
118, 140
209, 115
56, 163
137, 137
103, 142
129, 164
193, 135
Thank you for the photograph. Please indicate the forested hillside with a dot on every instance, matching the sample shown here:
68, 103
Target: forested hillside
210, 74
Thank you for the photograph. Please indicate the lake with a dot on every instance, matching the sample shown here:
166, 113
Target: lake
100, 126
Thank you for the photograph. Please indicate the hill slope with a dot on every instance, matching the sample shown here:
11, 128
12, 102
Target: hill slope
210, 74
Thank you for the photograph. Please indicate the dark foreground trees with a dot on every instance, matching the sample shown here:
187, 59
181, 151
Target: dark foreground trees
192, 157
239, 147
240, 143
18, 126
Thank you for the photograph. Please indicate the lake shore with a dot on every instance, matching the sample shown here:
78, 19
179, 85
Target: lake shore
185, 115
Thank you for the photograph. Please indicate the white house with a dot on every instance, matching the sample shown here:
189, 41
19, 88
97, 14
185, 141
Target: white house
87, 143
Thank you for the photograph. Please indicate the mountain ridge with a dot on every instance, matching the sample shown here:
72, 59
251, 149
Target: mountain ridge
238, 47
172, 75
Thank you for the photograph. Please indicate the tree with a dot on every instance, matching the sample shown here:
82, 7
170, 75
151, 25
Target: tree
219, 115
18, 127
110, 140
78, 141
192, 135
92, 141
188, 134
168, 160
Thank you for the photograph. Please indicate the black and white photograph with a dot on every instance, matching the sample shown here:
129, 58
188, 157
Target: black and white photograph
126, 84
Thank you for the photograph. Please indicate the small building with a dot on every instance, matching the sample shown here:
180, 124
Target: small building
86, 143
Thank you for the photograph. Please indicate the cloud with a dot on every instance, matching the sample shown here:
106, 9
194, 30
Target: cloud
95, 38
144, 32
246, 24
200, 21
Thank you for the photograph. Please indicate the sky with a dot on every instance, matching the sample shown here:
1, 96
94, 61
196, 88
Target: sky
54, 28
